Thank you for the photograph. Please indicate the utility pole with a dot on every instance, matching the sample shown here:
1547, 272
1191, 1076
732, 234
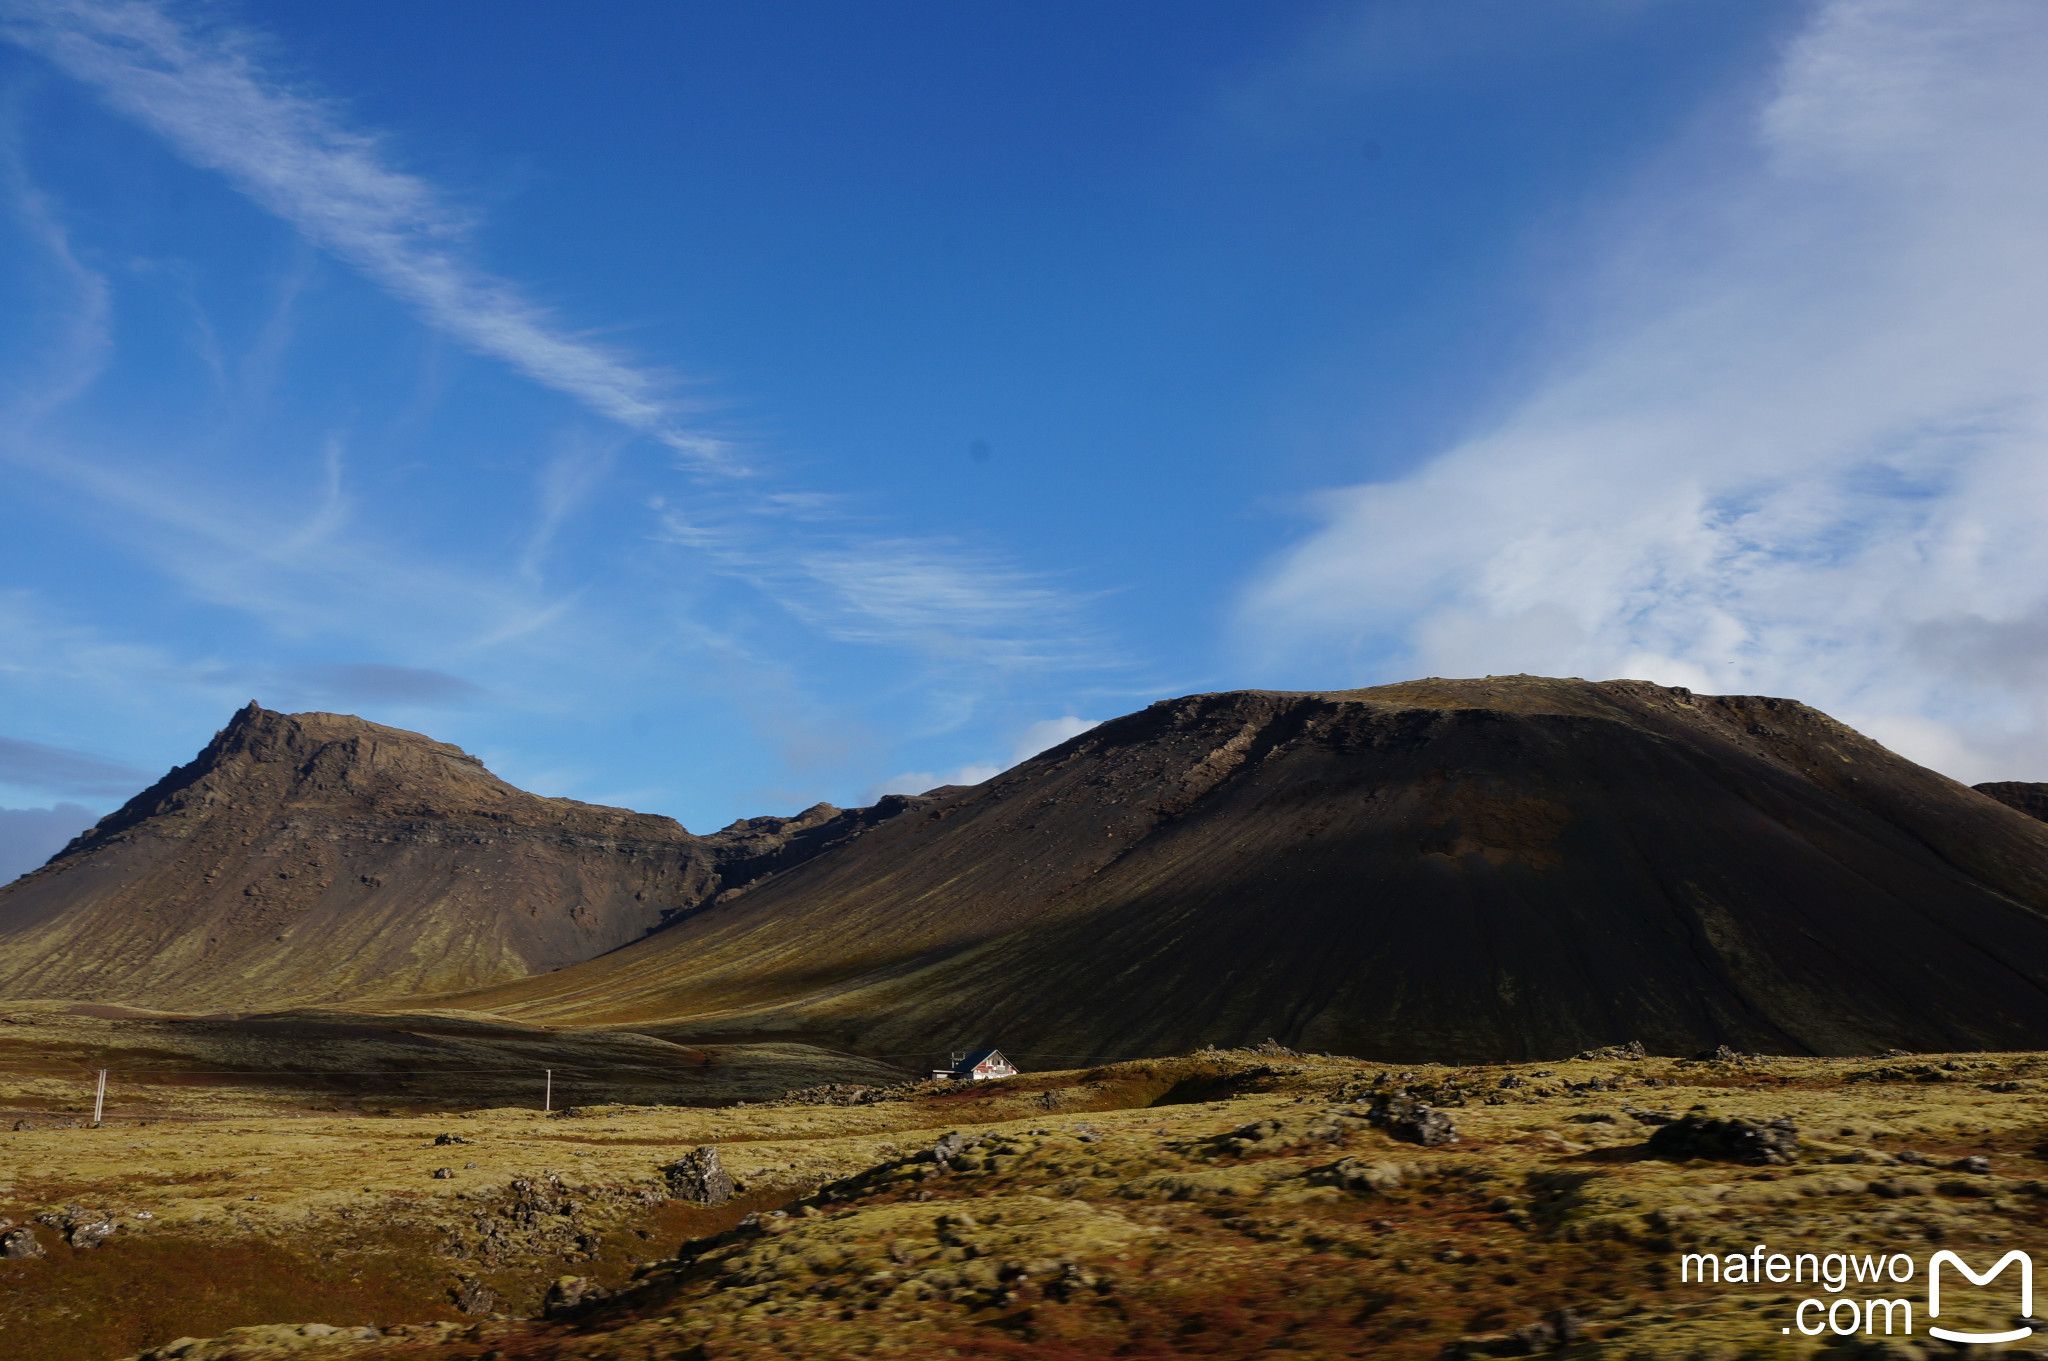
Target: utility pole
99, 1099
547, 1102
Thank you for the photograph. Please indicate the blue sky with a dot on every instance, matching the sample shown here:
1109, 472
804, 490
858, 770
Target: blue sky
715, 409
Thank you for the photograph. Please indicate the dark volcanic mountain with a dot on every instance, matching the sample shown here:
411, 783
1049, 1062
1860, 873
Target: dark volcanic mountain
2031, 799
318, 857
1455, 870
1449, 870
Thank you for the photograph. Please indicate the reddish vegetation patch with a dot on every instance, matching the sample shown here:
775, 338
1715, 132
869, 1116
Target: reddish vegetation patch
680, 1221
135, 1293
1317, 1307
138, 1292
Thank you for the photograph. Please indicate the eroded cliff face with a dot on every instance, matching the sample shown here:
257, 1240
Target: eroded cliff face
308, 857
1441, 870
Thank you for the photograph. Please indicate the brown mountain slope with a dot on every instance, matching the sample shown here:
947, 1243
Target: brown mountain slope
2031, 799
318, 857
1448, 870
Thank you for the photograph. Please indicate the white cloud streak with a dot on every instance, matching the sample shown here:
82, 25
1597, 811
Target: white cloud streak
921, 781
948, 603
204, 87
1802, 448
203, 90
1036, 737
70, 355
1047, 733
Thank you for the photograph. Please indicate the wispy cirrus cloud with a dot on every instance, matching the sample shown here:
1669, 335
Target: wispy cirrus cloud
1801, 444
354, 683
932, 595
282, 500
204, 86
59, 770
205, 90
69, 350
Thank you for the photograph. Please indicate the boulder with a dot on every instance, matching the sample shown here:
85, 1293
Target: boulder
473, 1297
699, 1176
1732, 1140
89, 1233
569, 1293
1632, 1050
1415, 1121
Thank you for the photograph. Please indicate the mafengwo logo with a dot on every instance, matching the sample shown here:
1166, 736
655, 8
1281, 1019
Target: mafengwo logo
1871, 1293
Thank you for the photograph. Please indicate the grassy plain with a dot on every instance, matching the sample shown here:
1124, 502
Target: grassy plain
1222, 1204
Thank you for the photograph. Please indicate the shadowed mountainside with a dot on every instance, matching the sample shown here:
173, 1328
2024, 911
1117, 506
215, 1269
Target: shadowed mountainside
318, 857
1443, 870
1455, 870
2031, 799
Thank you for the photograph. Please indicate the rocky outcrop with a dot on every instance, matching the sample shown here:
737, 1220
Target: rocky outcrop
1415, 1121
1730, 1140
700, 1177
751, 851
20, 1244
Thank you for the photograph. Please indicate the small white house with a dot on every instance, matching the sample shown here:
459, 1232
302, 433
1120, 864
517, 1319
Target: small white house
976, 1066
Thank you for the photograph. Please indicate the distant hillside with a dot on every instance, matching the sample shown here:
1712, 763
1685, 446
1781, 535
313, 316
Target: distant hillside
319, 857
2031, 799
1452, 870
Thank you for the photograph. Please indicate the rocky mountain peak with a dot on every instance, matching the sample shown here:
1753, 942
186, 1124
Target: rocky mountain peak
265, 760
312, 856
